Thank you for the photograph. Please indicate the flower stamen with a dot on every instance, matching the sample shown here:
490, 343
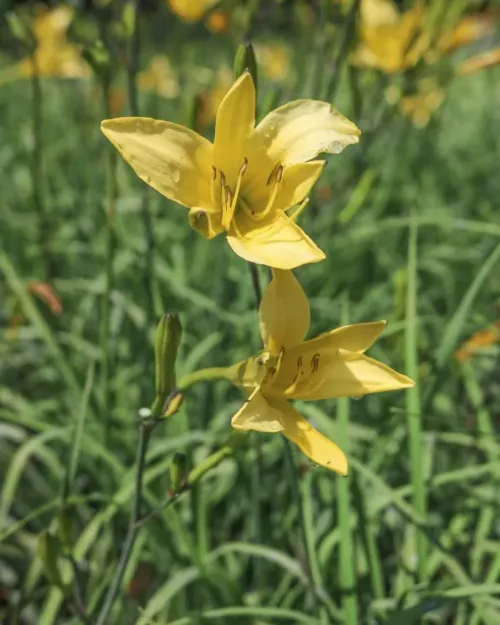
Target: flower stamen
231, 199
277, 173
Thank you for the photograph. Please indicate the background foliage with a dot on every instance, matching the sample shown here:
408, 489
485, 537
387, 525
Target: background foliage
409, 221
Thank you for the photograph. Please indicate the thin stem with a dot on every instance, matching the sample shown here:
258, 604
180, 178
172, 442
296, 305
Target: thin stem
145, 430
254, 274
413, 409
203, 375
149, 243
37, 174
111, 193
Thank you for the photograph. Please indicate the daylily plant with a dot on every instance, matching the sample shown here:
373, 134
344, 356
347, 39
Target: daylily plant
392, 41
243, 183
329, 366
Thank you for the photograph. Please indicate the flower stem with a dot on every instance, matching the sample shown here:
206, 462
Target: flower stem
111, 192
203, 375
145, 430
44, 227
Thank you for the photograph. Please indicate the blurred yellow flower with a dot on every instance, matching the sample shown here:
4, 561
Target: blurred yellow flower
242, 184
217, 21
392, 41
418, 106
159, 77
274, 60
478, 341
210, 100
191, 10
54, 55
479, 62
329, 366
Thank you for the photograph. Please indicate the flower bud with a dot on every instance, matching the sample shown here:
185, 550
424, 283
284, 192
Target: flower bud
167, 340
49, 551
244, 60
178, 472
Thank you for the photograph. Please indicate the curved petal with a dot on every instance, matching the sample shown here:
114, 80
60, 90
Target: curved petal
302, 129
284, 312
174, 160
257, 414
314, 445
281, 244
298, 180
357, 337
332, 373
206, 223
234, 123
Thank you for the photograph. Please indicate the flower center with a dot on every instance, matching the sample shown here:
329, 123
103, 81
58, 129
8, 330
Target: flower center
230, 199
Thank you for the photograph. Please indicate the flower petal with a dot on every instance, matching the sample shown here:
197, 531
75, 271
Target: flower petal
207, 223
174, 160
298, 180
314, 445
331, 373
281, 244
284, 312
357, 337
302, 129
257, 414
234, 123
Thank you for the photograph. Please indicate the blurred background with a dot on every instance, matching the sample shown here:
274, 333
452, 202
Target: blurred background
90, 259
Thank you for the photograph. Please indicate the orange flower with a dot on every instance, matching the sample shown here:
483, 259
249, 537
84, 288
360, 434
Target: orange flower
479, 62
478, 341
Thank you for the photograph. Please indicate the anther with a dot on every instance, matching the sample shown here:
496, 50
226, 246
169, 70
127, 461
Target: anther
214, 172
243, 168
315, 363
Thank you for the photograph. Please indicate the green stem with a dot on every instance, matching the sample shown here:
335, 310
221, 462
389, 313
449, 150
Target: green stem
204, 375
347, 574
413, 410
149, 243
44, 227
145, 430
111, 192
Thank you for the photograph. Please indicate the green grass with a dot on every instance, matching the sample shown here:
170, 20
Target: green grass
412, 236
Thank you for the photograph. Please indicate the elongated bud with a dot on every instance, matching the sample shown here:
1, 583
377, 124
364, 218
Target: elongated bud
20, 29
178, 472
49, 551
167, 340
244, 60
64, 527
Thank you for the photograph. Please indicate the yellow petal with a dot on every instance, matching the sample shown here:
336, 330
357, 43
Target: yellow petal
233, 125
297, 183
207, 223
378, 13
332, 373
257, 414
284, 312
314, 445
302, 129
174, 160
281, 244
357, 337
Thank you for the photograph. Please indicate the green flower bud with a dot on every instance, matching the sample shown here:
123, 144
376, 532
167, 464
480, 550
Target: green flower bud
244, 60
49, 552
178, 472
167, 340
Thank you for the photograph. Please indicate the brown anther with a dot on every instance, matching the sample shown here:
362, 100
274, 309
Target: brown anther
315, 363
276, 171
229, 194
279, 174
222, 179
214, 173
243, 168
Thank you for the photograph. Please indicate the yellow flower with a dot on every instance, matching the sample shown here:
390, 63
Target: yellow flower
242, 184
191, 10
420, 105
274, 59
392, 41
159, 77
329, 366
54, 55
218, 21
480, 62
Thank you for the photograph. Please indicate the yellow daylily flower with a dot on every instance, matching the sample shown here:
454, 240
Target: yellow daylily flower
331, 365
243, 183
159, 77
54, 56
420, 105
274, 59
191, 10
392, 41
